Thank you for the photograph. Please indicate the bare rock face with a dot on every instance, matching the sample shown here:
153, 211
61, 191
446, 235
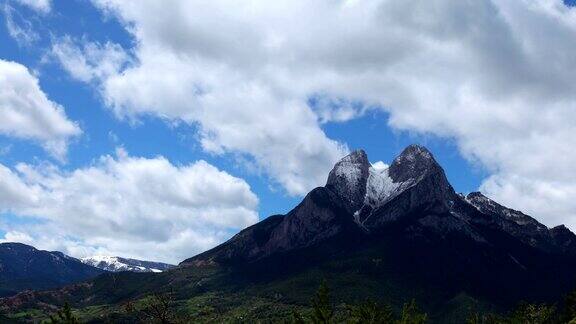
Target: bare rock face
414, 163
564, 239
319, 217
420, 185
348, 180
242, 247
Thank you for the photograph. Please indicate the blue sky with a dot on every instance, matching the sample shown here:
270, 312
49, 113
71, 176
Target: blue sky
475, 131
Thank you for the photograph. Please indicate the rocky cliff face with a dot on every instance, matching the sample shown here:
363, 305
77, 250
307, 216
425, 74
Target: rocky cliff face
413, 181
348, 180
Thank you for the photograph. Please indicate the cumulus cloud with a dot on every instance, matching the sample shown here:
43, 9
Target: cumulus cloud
128, 206
14, 192
495, 76
28, 113
237, 111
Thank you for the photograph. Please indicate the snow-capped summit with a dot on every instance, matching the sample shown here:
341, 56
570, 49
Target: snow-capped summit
117, 264
413, 163
364, 187
348, 179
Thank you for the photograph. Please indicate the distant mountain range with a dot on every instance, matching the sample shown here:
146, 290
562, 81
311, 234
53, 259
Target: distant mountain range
23, 267
389, 234
117, 264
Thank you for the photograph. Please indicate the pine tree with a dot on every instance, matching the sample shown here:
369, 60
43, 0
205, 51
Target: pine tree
412, 315
323, 309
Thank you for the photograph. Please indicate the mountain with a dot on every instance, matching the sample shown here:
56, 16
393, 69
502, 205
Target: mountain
412, 195
117, 264
23, 267
389, 234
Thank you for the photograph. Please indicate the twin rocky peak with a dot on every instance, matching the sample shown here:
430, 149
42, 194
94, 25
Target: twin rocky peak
363, 199
363, 188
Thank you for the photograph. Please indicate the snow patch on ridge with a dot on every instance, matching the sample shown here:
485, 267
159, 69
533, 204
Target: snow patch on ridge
487, 205
117, 264
349, 171
413, 152
379, 187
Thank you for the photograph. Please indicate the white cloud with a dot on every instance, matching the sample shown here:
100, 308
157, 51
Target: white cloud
27, 113
19, 28
380, 165
496, 76
41, 6
331, 109
14, 192
128, 206
93, 61
236, 112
